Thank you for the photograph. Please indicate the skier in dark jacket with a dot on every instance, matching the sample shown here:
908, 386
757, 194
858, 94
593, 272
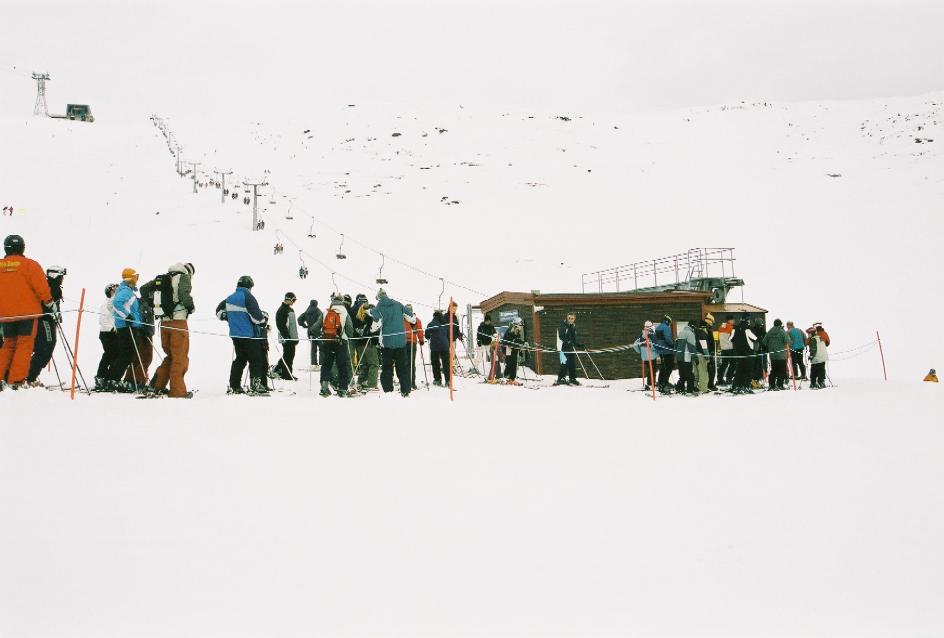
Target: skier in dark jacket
484, 338
437, 334
288, 336
663, 344
743, 339
777, 342
47, 327
512, 342
310, 320
241, 311
760, 361
566, 344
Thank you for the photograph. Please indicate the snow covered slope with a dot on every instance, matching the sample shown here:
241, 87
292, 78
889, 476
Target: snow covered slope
558, 511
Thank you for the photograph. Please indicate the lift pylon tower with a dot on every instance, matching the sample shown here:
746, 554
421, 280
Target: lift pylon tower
41, 108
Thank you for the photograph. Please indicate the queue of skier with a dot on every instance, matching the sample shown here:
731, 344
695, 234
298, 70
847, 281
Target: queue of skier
360, 344
736, 355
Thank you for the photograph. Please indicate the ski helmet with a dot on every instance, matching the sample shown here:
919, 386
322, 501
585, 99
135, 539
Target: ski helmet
14, 245
55, 272
110, 290
245, 282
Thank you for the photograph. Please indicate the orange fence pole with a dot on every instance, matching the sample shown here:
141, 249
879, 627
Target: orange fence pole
652, 374
452, 347
882, 352
75, 347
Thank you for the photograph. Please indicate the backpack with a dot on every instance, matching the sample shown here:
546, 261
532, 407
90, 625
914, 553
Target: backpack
331, 328
159, 294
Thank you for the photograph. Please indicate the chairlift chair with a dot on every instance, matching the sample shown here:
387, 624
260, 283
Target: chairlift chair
380, 278
311, 229
341, 254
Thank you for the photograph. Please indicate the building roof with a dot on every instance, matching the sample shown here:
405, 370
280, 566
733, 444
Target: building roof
591, 299
733, 307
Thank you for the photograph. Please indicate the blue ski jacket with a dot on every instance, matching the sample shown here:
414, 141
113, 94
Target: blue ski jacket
127, 310
243, 314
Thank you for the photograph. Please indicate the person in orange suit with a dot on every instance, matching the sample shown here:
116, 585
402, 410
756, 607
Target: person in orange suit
24, 296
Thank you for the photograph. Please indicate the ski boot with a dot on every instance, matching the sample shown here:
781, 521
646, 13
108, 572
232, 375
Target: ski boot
231, 390
258, 388
325, 389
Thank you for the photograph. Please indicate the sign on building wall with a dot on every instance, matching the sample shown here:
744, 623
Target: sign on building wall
507, 316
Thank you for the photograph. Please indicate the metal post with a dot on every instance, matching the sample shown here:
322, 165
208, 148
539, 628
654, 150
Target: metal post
223, 175
255, 201
194, 165
881, 352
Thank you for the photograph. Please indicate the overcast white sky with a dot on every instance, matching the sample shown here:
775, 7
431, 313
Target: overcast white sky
553, 55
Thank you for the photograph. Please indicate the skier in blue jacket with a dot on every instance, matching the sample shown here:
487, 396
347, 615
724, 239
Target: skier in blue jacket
245, 319
127, 314
392, 313
663, 344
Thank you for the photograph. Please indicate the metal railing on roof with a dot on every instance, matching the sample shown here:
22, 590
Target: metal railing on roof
695, 263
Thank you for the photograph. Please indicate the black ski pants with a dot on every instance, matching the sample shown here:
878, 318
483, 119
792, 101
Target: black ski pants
665, 369
247, 351
817, 374
511, 365
390, 359
124, 353
283, 368
568, 369
727, 367
778, 373
686, 381
744, 371
109, 348
440, 361
796, 357
335, 352
42, 347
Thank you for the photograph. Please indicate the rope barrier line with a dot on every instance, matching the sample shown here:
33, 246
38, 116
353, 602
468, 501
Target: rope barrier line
526, 346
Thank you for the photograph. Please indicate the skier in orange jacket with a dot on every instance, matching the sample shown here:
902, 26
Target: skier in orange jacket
25, 296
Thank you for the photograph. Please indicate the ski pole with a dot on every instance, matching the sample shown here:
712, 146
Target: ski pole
593, 363
134, 374
154, 348
425, 375
56, 368
71, 358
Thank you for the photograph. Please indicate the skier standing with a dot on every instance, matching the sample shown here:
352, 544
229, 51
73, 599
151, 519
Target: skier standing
245, 319
797, 346
685, 352
777, 342
664, 345
311, 320
336, 329
414, 340
288, 337
127, 313
484, 336
513, 342
175, 335
743, 340
818, 357
391, 313
566, 345
107, 335
643, 347
45, 340
728, 363
703, 344
365, 346
25, 295
437, 333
